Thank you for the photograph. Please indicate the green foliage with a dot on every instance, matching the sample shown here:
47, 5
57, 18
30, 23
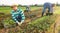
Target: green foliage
8, 22
7, 10
41, 24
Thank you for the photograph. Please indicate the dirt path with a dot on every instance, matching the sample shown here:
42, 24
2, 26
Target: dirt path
57, 24
54, 27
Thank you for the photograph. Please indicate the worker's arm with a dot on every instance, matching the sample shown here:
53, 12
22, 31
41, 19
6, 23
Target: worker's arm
22, 15
13, 17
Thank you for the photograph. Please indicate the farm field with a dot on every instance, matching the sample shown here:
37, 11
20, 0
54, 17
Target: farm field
8, 9
34, 26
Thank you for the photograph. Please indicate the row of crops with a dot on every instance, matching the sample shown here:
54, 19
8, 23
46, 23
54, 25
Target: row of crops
40, 25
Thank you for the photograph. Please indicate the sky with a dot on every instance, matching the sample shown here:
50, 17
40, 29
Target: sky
27, 2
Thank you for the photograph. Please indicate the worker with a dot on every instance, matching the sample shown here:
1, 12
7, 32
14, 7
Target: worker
48, 6
27, 8
17, 15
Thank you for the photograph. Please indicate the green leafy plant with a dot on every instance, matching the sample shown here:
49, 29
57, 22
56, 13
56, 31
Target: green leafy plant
8, 22
41, 24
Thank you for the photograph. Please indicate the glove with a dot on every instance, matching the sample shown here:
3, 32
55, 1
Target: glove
19, 23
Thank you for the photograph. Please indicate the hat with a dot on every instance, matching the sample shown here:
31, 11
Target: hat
14, 5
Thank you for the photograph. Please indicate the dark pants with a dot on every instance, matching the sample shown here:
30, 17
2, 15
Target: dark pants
19, 18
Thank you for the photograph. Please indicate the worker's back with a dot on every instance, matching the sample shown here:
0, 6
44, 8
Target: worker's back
47, 4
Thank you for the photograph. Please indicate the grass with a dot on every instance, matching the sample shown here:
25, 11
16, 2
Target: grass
57, 10
7, 10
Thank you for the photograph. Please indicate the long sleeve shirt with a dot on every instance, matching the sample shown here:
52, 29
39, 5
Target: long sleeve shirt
17, 13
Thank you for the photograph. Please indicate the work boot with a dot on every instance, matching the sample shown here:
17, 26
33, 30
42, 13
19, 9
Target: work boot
47, 14
51, 13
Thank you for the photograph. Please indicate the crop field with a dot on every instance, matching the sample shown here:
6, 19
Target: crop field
8, 9
37, 24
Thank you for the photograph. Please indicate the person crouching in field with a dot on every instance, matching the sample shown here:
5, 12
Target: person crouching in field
17, 15
48, 6
27, 8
